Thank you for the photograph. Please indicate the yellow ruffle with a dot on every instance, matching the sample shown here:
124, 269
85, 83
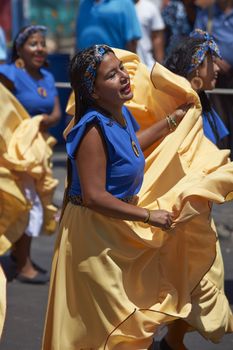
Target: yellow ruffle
23, 149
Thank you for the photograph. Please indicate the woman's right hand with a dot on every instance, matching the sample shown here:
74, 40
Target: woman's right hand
161, 218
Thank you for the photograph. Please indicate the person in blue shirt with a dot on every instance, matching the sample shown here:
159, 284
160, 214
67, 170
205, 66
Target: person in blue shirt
217, 19
3, 48
34, 87
27, 78
195, 59
105, 174
111, 22
178, 19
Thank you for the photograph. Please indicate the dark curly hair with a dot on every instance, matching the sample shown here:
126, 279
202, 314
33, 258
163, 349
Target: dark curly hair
180, 58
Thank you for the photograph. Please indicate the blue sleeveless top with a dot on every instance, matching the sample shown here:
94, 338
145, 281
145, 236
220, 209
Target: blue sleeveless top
212, 121
26, 89
124, 173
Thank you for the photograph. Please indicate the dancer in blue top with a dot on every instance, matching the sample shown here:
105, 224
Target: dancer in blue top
31, 84
194, 58
105, 173
35, 89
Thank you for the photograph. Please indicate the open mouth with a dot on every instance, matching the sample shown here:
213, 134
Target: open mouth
126, 90
39, 58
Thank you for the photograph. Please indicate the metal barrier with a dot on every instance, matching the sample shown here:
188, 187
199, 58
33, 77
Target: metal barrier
221, 91
62, 85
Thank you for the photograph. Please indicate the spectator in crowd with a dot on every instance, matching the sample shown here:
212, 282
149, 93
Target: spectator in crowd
179, 17
151, 46
217, 19
111, 22
3, 48
34, 87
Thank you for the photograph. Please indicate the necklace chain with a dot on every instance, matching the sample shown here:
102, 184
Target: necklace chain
124, 125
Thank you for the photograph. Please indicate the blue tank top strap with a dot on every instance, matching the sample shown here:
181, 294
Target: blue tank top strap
76, 134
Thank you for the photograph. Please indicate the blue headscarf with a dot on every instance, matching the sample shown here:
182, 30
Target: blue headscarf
209, 45
90, 73
25, 34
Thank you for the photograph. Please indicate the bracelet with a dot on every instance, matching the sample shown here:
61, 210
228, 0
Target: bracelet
146, 220
171, 123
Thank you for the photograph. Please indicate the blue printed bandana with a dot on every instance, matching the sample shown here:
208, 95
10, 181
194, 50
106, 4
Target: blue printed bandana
209, 45
90, 73
22, 37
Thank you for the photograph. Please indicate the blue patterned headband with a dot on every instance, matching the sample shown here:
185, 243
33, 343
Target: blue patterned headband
209, 45
90, 73
23, 36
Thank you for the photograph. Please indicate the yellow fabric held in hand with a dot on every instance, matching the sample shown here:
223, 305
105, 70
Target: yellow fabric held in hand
23, 149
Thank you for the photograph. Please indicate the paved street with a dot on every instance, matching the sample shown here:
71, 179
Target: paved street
27, 303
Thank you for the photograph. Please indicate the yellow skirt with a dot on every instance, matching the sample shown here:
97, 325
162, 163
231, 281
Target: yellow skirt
112, 289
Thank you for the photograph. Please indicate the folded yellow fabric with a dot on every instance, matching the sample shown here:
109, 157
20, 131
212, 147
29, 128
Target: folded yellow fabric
23, 149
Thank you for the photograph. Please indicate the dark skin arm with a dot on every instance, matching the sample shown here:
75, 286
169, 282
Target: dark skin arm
91, 158
53, 118
158, 44
6, 82
160, 129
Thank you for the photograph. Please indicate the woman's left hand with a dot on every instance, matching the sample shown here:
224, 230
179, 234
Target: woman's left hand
180, 112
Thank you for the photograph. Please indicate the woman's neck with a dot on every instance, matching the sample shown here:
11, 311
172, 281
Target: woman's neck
114, 113
34, 73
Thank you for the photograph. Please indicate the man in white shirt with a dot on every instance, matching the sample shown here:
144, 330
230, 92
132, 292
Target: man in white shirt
151, 46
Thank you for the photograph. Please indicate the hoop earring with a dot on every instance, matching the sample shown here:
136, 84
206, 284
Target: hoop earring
197, 83
19, 63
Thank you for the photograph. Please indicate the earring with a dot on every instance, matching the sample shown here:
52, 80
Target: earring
19, 63
197, 83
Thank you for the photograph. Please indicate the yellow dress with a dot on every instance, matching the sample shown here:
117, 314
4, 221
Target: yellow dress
23, 149
114, 283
